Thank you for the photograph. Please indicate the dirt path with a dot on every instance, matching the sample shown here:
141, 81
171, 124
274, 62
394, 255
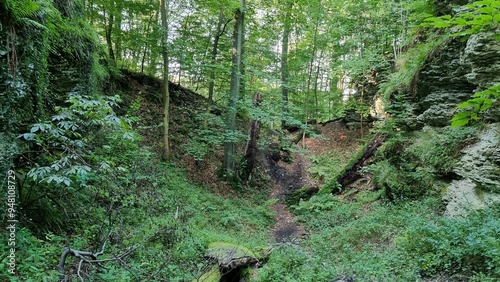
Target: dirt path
287, 177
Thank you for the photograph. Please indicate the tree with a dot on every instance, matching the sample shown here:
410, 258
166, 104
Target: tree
221, 27
229, 164
284, 61
166, 94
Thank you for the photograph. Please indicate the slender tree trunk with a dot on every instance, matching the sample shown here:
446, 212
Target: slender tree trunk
243, 79
253, 138
166, 94
109, 30
153, 55
229, 164
284, 64
215, 47
310, 72
146, 46
316, 104
118, 31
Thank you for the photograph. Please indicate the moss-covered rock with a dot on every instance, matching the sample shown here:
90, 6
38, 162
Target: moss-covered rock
231, 262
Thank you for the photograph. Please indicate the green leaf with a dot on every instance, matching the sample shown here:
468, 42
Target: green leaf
442, 24
462, 115
467, 104
460, 122
486, 10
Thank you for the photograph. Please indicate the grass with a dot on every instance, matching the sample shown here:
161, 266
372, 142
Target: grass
150, 205
382, 241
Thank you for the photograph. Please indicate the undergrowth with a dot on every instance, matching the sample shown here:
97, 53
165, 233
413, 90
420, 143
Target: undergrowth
409, 166
383, 241
149, 205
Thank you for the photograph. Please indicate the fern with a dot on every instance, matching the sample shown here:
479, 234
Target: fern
21, 9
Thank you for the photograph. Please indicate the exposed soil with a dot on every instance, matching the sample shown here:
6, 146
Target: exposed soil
289, 176
286, 177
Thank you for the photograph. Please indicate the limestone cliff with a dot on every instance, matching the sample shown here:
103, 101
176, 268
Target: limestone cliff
451, 77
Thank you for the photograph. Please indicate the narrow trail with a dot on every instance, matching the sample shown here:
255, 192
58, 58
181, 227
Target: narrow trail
287, 177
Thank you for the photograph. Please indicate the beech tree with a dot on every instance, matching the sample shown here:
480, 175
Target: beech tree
166, 94
229, 164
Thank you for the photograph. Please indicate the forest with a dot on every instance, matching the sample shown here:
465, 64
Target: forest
234, 140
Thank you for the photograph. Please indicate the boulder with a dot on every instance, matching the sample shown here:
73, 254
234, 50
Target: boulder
442, 86
453, 75
229, 261
482, 54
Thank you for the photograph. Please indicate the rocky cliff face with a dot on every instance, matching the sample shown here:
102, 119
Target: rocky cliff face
454, 75
479, 168
451, 77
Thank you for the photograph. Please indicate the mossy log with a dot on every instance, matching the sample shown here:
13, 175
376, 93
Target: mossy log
352, 174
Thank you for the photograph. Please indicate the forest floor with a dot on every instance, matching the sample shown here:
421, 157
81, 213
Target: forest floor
290, 173
287, 177
287, 173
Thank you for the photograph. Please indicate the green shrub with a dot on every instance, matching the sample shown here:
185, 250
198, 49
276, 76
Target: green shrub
412, 165
464, 245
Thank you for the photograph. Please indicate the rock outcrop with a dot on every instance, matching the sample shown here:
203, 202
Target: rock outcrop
442, 86
479, 168
454, 75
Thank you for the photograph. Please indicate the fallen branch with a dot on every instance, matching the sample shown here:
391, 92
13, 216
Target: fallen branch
84, 258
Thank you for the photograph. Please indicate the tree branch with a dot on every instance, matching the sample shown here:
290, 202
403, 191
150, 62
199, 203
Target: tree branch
82, 255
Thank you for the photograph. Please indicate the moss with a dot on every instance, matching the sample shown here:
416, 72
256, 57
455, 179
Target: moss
223, 251
213, 275
304, 193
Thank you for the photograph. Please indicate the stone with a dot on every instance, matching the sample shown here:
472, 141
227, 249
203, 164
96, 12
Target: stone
482, 54
481, 161
461, 198
479, 168
442, 85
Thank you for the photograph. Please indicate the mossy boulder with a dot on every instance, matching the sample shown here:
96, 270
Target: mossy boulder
231, 262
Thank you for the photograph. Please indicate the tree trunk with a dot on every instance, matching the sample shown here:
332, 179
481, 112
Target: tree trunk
215, 47
118, 31
229, 165
316, 104
166, 94
284, 64
109, 30
352, 174
253, 137
146, 46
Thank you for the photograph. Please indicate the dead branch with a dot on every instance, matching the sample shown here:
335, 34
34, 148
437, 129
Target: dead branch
88, 257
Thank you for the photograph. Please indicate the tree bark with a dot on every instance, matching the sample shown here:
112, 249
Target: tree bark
109, 30
215, 47
229, 164
253, 138
284, 63
352, 174
146, 46
166, 94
